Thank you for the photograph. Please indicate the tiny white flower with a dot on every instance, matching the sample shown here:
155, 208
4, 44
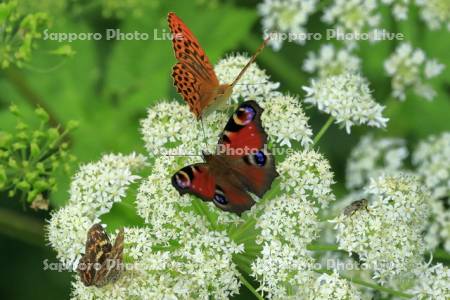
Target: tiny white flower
285, 121
373, 157
435, 13
399, 8
432, 282
255, 84
307, 173
388, 235
331, 287
97, 186
409, 68
285, 19
66, 232
352, 15
432, 160
330, 61
347, 98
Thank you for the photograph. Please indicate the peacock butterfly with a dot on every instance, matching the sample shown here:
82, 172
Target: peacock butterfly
194, 76
242, 164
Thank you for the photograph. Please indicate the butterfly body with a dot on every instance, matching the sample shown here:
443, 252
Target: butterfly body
101, 262
194, 76
240, 166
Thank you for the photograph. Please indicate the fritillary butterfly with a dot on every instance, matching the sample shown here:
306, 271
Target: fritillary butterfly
194, 76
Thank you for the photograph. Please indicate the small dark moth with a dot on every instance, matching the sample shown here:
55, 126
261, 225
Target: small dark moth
101, 262
242, 164
355, 206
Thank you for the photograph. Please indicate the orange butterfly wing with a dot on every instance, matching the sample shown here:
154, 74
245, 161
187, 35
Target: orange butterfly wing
193, 75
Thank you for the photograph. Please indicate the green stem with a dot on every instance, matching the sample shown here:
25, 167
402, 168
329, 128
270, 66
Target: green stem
242, 265
18, 81
238, 232
250, 287
322, 131
203, 210
21, 227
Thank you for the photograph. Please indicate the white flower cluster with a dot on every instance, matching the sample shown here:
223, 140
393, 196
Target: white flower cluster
289, 223
388, 235
286, 16
432, 160
285, 120
255, 84
432, 283
399, 8
330, 62
352, 15
347, 98
331, 287
307, 173
94, 190
439, 229
435, 13
373, 157
409, 68
198, 266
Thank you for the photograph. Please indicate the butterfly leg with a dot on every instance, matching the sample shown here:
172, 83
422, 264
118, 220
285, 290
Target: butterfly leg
205, 140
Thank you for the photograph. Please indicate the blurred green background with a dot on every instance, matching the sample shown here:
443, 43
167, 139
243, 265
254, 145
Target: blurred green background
108, 85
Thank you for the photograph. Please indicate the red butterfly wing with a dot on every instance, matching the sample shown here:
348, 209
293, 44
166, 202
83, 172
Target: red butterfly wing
243, 132
245, 140
226, 178
195, 179
202, 181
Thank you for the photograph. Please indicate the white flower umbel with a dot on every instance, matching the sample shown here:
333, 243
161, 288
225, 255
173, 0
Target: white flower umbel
66, 233
432, 283
373, 157
399, 8
171, 129
198, 266
288, 223
94, 190
439, 229
286, 20
285, 121
330, 61
281, 269
332, 287
255, 84
347, 98
97, 186
409, 69
432, 161
435, 13
307, 173
388, 235
352, 15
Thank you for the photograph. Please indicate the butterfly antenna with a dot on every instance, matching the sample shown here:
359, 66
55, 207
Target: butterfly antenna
252, 59
256, 83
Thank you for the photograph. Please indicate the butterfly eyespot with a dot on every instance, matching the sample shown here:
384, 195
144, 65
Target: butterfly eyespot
182, 179
219, 197
260, 158
244, 115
